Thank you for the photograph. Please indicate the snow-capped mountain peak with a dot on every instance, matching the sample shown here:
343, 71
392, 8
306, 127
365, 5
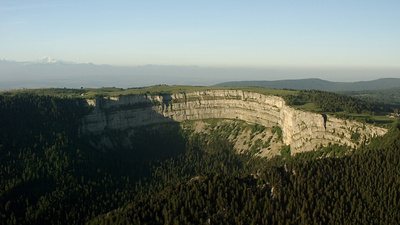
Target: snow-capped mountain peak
47, 60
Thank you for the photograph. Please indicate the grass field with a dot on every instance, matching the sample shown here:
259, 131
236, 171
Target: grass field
310, 107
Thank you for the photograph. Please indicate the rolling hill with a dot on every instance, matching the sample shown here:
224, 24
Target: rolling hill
317, 84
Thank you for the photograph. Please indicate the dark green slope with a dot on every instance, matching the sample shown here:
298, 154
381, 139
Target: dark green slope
317, 84
362, 188
51, 175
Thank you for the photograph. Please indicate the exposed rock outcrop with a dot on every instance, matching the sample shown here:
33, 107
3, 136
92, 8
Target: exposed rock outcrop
301, 130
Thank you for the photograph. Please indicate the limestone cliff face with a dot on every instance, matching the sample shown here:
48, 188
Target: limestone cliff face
301, 130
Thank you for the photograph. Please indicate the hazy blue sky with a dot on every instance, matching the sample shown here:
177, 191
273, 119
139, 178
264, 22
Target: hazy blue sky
355, 33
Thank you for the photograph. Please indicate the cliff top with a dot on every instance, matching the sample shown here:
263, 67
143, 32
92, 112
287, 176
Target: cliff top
337, 105
90, 93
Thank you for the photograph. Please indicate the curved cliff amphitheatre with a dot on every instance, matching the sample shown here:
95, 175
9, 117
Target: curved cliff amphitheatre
85, 155
301, 130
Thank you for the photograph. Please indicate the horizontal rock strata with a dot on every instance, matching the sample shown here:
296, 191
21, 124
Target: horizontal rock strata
303, 131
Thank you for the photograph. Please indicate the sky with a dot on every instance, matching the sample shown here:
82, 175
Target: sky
218, 33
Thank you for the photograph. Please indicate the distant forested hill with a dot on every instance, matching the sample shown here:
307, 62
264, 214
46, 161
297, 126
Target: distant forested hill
389, 96
317, 84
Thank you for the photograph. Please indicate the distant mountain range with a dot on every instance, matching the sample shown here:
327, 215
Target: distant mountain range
49, 72
317, 84
43, 60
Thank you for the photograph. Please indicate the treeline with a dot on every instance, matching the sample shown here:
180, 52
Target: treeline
332, 102
390, 97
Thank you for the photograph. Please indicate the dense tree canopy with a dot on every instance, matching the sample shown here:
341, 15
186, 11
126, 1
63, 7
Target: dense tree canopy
51, 175
332, 102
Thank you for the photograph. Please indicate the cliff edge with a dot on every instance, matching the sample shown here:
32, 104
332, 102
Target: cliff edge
303, 131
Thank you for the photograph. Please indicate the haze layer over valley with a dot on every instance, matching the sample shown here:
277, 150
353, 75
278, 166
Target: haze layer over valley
48, 72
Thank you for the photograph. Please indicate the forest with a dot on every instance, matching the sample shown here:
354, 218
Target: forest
51, 175
388, 96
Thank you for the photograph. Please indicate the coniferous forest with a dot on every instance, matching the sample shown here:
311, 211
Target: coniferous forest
50, 174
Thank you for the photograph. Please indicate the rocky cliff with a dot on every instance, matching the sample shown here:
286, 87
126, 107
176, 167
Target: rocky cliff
301, 130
